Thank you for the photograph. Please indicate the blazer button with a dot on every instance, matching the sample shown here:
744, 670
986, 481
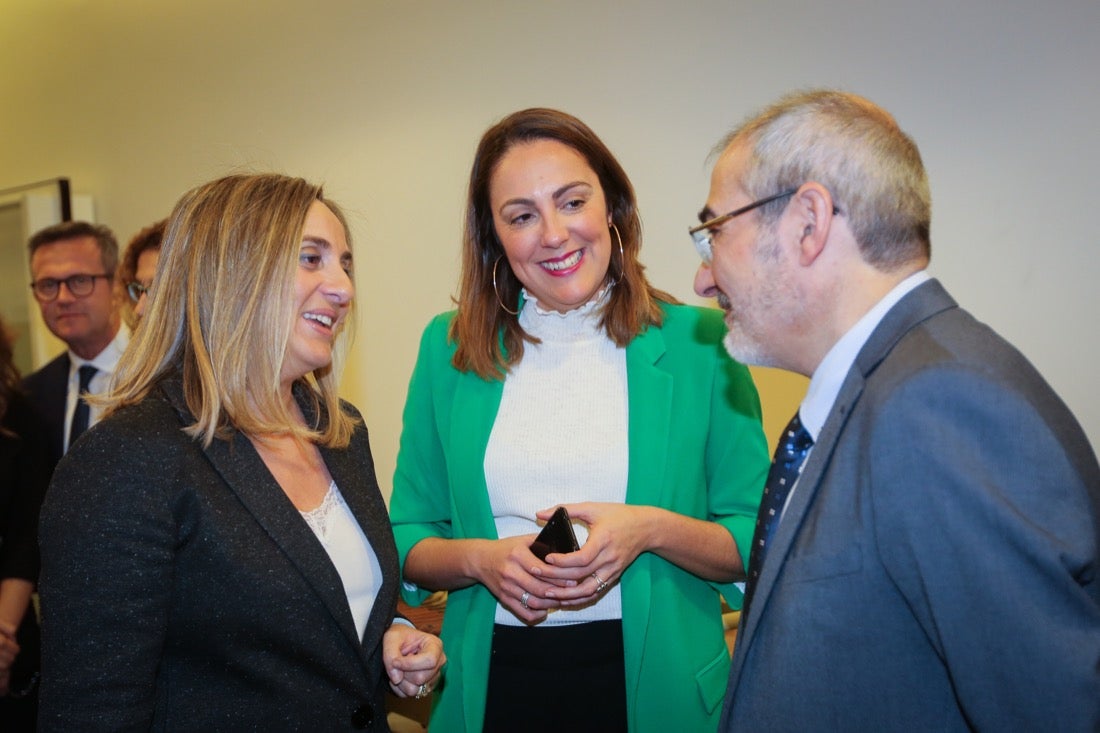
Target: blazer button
362, 717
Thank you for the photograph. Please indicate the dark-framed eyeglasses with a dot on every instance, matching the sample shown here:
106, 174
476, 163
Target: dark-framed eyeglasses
703, 235
80, 285
136, 290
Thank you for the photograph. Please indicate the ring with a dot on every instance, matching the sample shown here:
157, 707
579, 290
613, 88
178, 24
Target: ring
600, 584
523, 599
421, 692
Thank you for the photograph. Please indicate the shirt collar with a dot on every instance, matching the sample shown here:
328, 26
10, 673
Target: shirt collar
830, 373
105, 361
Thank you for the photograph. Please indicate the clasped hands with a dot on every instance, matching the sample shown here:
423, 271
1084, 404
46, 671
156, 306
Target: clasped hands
530, 588
414, 660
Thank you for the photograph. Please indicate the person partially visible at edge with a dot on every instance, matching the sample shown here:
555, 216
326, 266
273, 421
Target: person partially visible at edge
24, 468
216, 554
936, 565
135, 272
565, 378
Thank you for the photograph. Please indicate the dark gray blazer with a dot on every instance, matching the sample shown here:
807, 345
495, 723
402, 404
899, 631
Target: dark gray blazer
937, 567
181, 590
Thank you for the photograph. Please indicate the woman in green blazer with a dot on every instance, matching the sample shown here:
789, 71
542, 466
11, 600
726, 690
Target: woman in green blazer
564, 378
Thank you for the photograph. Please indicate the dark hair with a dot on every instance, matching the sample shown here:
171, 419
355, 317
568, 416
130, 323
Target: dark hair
488, 338
148, 238
104, 237
9, 374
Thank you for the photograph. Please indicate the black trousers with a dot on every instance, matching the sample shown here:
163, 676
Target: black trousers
558, 679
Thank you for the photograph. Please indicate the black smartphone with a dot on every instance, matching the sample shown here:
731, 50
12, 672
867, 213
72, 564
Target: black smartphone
556, 536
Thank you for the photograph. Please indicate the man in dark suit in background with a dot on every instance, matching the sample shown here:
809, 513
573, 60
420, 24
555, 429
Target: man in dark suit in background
72, 271
935, 565
72, 268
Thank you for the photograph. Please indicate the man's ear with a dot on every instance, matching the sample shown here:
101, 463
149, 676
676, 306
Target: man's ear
813, 207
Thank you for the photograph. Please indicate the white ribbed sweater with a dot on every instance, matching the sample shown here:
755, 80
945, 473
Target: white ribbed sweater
560, 435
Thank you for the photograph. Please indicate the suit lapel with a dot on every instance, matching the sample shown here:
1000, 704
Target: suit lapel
917, 306
474, 408
795, 512
474, 404
53, 396
649, 400
245, 473
370, 512
649, 396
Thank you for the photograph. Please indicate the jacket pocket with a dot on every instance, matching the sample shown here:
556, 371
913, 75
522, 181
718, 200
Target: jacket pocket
712, 680
822, 565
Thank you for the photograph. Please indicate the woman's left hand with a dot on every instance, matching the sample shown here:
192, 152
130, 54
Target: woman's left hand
617, 534
414, 660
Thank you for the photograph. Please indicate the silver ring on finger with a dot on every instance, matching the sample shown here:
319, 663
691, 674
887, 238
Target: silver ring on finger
421, 692
600, 583
523, 599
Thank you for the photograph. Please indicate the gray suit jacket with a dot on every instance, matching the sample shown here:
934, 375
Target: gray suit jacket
181, 590
937, 567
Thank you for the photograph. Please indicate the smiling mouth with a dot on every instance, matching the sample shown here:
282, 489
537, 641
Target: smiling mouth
320, 318
563, 264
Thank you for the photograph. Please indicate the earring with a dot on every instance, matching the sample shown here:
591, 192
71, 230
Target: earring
495, 290
622, 256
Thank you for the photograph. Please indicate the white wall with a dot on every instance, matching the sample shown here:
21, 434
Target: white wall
137, 101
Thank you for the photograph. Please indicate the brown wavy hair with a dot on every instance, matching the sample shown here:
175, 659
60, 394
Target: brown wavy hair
488, 338
9, 374
147, 239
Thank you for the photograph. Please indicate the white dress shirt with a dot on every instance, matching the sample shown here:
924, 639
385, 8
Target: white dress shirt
831, 372
105, 362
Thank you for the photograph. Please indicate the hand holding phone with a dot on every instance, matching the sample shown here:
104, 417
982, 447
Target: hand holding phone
556, 536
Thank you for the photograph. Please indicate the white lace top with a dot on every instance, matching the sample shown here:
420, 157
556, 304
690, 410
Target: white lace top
350, 551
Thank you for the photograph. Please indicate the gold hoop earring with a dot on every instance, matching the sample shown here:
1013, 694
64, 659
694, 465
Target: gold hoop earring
622, 256
495, 290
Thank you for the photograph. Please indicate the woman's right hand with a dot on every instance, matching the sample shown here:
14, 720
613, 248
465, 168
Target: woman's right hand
508, 569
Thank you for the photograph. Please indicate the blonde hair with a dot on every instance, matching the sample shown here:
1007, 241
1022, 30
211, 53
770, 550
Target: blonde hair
221, 310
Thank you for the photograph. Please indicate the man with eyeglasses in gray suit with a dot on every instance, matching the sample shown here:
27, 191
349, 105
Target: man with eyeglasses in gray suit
936, 563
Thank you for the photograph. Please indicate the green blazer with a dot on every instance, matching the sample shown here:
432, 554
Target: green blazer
696, 447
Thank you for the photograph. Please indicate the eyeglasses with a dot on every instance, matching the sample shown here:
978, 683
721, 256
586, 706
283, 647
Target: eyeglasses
703, 234
136, 290
80, 285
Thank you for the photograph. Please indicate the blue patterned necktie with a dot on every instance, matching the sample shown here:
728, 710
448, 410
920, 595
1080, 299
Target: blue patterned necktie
81, 413
786, 465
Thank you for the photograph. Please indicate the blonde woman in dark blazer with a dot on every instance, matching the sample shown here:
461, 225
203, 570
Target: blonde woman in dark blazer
216, 554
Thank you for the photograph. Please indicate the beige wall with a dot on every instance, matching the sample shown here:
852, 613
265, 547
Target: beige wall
137, 101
